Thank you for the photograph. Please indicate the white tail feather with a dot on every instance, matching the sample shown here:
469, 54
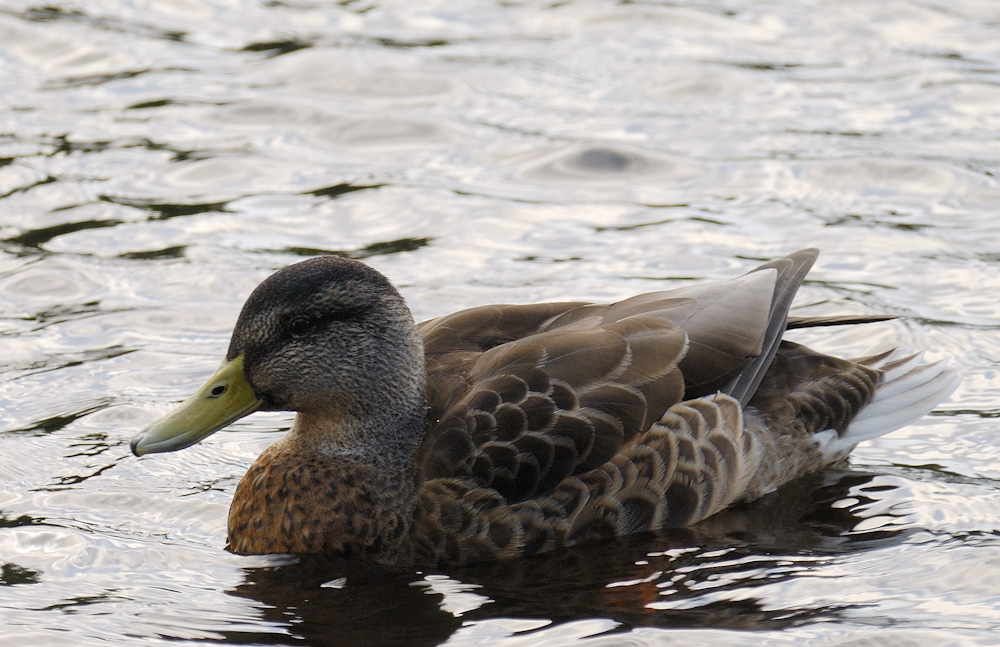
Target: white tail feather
909, 390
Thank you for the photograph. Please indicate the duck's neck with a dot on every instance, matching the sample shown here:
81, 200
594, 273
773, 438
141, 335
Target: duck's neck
321, 490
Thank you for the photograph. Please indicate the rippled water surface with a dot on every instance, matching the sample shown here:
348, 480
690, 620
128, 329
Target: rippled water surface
158, 159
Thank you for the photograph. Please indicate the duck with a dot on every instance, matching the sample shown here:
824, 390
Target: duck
504, 431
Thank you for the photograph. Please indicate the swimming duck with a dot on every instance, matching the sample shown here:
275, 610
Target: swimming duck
504, 431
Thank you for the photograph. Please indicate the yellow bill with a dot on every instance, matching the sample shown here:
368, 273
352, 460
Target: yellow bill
225, 398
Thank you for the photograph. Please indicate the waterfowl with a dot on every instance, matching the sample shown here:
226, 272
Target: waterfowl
503, 431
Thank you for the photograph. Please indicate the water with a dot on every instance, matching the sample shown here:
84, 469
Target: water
157, 160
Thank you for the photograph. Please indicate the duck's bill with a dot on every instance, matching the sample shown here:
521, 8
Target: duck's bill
225, 398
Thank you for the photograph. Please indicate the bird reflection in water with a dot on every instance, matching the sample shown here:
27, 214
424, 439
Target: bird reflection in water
706, 576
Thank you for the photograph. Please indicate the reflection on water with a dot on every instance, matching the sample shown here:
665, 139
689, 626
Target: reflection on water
14, 574
375, 249
604, 164
157, 160
714, 575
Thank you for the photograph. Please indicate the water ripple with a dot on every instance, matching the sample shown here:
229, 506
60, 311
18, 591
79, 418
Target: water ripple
157, 160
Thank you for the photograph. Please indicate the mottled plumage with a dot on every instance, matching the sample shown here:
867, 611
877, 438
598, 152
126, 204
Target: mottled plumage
504, 431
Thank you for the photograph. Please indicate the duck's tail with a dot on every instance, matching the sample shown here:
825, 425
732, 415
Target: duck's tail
909, 389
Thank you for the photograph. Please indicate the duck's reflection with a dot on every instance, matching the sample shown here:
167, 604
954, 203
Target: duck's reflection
705, 576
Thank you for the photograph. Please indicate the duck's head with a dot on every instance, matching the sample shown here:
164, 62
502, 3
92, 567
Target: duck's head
329, 338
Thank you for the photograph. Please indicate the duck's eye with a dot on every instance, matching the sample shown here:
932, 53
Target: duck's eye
300, 325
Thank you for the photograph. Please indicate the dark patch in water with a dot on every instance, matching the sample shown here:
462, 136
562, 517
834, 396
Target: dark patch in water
605, 160
277, 47
166, 211
340, 189
169, 252
159, 103
11, 574
19, 522
395, 43
375, 249
35, 238
55, 423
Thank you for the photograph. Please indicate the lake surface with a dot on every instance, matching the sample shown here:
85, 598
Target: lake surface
159, 159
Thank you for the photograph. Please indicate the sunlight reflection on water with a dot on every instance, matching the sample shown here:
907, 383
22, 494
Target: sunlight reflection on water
160, 159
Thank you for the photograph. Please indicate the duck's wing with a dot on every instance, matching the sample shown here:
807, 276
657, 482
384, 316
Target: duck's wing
734, 327
790, 273
525, 414
522, 397
836, 320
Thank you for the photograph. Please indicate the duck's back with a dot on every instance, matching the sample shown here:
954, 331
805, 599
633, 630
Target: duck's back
554, 424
